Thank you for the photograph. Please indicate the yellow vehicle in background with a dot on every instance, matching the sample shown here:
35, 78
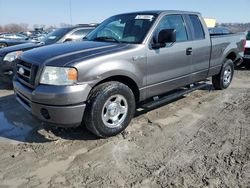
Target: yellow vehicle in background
210, 22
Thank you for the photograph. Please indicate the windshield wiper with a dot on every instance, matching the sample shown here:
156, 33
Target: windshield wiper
106, 39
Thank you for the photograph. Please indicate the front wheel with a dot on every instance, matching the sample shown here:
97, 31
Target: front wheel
224, 78
3, 45
110, 108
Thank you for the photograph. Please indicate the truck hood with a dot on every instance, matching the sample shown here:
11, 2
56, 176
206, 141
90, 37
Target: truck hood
71, 52
19, 47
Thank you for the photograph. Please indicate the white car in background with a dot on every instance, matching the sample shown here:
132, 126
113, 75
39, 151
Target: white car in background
247, 51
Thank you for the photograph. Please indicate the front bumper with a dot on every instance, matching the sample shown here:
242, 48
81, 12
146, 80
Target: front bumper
246, 58
62, 106
6, 70
247, 55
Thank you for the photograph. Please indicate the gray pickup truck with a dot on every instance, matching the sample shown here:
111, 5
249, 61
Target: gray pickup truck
128, 59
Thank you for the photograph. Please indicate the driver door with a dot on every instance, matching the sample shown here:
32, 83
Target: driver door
169, 67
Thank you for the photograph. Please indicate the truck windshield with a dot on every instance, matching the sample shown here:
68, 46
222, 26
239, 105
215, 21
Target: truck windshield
126, 28
248, 35
55, 36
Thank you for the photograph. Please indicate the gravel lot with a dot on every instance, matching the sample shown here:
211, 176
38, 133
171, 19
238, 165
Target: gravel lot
200, 140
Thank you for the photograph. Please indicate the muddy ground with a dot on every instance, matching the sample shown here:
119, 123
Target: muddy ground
200, 140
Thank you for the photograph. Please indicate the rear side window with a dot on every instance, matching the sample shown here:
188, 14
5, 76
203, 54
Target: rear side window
174, 22
248, 35
197, 27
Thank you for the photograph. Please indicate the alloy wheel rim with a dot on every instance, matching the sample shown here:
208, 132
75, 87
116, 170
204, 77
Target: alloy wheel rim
114, 111
227, 75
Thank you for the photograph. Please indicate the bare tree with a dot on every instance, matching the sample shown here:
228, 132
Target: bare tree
12, 28
35, 26
24, 26
65, 25
236, 27
15, 27
51, 28
42, 26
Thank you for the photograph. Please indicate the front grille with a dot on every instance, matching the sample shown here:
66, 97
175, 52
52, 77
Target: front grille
26, 73
247, 51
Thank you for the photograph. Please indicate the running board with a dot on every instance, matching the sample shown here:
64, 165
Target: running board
160, 101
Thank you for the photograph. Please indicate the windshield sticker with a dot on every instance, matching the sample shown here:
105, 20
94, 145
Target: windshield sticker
144, 17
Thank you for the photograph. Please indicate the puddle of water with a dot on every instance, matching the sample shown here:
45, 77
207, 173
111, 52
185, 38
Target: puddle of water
16, 131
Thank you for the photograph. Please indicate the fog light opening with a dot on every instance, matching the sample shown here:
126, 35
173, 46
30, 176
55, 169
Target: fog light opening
45, 113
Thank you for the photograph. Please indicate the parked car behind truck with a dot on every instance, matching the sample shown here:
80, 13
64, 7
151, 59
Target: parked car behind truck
219, 31
128, 59
6, 42
247, 51
8, 55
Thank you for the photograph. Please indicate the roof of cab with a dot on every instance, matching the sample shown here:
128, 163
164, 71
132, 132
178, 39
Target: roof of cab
162, 11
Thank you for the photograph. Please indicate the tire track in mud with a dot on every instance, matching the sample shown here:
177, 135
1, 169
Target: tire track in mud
223, 115
192, 161
53, 163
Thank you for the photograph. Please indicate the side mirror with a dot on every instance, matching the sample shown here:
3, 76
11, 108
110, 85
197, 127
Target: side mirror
68, 40
164, 36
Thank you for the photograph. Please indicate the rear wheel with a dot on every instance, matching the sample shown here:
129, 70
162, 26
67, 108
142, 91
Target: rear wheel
3, 45
224, 78
110, 108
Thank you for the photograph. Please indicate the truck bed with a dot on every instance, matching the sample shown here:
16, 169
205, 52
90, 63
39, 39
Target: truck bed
222, 45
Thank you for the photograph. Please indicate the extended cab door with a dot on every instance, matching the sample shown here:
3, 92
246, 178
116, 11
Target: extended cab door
169, 67
201, 47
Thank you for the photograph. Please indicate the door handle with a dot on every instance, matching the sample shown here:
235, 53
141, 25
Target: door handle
189, 51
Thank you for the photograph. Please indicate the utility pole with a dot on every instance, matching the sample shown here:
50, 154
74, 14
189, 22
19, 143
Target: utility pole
70, 12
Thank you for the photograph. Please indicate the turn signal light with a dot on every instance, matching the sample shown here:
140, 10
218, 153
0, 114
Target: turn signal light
72, 74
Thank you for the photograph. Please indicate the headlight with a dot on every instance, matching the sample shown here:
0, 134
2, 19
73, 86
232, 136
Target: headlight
58, 76
12, 56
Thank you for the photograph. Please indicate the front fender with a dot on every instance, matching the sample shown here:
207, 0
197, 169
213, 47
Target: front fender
104, 70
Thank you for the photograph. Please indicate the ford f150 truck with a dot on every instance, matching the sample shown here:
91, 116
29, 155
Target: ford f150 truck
128, 59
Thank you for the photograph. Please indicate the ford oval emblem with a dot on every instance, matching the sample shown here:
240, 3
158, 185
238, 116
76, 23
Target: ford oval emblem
21, 71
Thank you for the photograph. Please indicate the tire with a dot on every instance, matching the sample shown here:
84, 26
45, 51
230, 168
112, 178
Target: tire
109, 110
247, 65
3, 45
224, 78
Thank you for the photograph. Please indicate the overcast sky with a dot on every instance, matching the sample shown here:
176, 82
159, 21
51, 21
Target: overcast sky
54, 12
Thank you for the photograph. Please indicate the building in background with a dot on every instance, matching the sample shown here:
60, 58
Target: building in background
211, 22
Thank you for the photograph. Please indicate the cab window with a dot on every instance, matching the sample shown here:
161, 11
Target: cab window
174, 22
198, 31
